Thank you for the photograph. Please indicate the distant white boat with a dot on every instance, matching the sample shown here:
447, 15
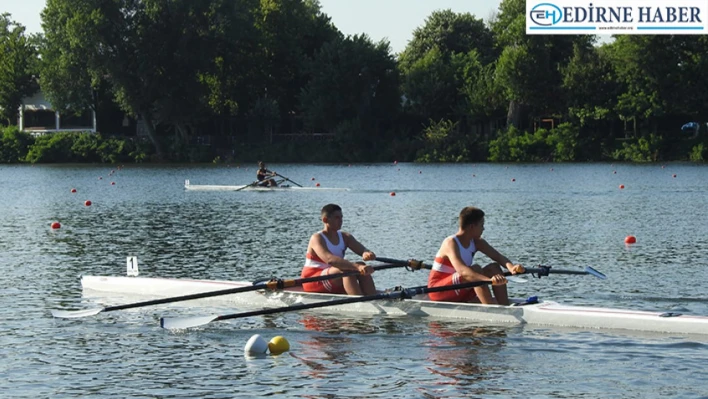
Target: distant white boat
253, 187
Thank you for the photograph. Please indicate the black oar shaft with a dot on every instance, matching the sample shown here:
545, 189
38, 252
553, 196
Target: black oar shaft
269, 285
399, 294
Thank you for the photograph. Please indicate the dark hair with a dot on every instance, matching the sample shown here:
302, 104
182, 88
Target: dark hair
261, 163
470, 215
329, 209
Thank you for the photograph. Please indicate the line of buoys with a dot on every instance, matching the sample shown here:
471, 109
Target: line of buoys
317, 185
621, 186
73, 190
630, 240
393, 194
87, 203
56, 225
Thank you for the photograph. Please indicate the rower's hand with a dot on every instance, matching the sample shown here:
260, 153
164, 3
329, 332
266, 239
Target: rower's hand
368, 255
364, 269
499, 279
516, 269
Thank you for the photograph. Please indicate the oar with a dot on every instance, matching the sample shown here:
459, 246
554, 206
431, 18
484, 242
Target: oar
403, 293
288, 179
255, 183
268, 285
539, 272
413, 264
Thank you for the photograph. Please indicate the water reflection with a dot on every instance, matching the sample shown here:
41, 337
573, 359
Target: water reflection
464, 356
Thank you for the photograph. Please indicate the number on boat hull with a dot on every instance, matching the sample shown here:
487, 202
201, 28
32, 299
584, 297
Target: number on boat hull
131, 265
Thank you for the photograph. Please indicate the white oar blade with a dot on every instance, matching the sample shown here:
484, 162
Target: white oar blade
515, 279
595, 273
185, 322
70, 314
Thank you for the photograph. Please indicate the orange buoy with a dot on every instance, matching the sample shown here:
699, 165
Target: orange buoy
512, 179
674, 175
393, 194
621, 186
317, 185
87, 203
73, 190
630, 240
56, 225
312, 179
113, 183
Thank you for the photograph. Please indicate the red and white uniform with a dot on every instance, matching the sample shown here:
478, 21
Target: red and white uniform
314, 266
443, 273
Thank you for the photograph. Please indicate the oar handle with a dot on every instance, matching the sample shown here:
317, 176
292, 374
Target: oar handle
411, 263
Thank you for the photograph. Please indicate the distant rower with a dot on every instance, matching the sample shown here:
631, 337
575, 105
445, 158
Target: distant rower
262, 174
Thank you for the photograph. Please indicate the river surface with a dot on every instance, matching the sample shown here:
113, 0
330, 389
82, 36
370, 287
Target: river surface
565, 215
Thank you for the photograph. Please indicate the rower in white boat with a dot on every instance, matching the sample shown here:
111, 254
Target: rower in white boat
454, 264
325, 256
265, 176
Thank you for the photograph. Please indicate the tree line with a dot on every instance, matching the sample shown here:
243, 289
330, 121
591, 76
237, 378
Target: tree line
463, 89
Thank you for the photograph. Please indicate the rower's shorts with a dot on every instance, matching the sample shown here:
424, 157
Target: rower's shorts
324, 286
461, 295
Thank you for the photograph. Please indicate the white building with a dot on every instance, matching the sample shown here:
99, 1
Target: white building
38, 117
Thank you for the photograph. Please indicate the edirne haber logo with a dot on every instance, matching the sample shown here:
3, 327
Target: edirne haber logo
617, 17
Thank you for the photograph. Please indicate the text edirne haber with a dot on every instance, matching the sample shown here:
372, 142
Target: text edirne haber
625, 14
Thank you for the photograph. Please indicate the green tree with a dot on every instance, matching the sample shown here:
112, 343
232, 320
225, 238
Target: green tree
18, 67
149, 52
529, 66
442, 63
352, 79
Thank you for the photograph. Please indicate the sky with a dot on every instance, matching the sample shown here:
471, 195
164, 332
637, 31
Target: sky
393, 20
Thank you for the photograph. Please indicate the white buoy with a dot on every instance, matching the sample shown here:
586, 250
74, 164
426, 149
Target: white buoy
256, 345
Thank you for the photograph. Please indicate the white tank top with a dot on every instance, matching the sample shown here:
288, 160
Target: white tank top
466, 253
336, 250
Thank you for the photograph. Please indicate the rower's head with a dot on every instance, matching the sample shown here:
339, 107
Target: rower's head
472, 218
331, 214
261, 165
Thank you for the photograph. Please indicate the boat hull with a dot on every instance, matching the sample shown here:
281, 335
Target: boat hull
543, 313
205, 187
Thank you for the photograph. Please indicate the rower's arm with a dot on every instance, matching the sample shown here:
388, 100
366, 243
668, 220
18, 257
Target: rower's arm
357, 247
318, 246
484, 247
467, 273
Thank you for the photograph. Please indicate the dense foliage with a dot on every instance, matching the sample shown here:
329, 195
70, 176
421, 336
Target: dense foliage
248, 79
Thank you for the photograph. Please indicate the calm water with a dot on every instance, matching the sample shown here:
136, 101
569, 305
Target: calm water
561, 215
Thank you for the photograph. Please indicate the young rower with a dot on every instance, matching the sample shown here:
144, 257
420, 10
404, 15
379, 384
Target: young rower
325, 255
454, 264
262, 173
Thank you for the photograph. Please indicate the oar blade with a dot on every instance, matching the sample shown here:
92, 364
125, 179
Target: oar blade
72, 314
176, 323
515, 279
595, 273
